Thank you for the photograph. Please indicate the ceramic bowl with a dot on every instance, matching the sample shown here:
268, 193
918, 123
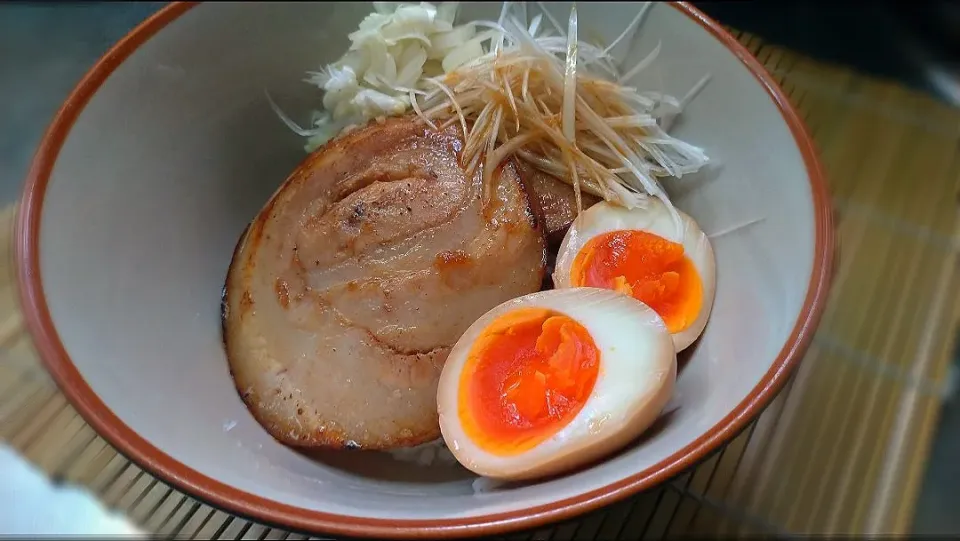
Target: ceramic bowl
168, 148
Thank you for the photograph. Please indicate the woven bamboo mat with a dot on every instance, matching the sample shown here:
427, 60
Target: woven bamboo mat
841, 450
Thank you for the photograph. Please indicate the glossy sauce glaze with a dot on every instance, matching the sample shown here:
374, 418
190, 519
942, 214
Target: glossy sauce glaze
349, 288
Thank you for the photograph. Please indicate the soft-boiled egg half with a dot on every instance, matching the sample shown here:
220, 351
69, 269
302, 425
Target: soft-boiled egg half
644, 253
553, 380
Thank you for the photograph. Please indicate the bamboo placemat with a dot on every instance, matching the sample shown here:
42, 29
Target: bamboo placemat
843, 447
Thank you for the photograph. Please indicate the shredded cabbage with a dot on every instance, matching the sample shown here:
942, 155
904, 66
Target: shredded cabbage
515, 87
393, 53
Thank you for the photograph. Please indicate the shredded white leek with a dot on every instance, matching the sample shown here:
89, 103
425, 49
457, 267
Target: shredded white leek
515, 88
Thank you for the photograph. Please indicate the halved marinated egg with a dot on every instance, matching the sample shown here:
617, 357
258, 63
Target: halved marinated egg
553, 380
643, 253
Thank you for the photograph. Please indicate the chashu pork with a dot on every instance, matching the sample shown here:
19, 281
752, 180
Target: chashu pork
347, 291
555, 200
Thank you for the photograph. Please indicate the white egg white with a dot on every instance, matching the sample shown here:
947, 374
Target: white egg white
638, 370
606, 217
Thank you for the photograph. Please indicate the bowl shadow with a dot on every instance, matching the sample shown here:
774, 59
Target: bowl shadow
382, 466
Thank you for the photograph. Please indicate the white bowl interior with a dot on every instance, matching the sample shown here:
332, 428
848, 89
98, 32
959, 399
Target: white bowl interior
178, 150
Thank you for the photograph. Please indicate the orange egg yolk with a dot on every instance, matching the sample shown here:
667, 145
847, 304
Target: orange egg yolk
527, 376
647, 267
